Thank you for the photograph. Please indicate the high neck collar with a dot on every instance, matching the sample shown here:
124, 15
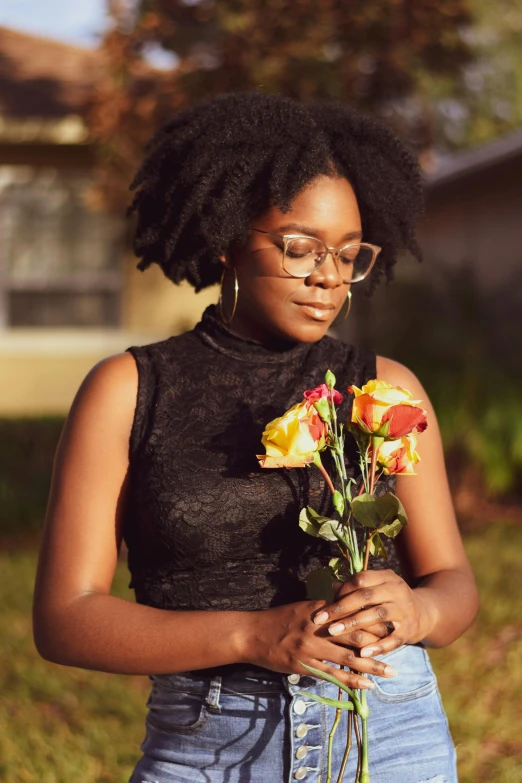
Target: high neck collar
222, 338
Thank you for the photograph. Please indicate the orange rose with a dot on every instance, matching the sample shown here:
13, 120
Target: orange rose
398, 456
292, 440
386, 411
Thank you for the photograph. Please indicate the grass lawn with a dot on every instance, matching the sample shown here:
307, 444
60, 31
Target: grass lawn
64, 725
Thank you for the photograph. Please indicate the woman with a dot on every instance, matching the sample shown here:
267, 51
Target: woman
160, 449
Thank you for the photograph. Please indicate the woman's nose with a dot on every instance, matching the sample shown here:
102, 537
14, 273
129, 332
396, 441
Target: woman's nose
327, 274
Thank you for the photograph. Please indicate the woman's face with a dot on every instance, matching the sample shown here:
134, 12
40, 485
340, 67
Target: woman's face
271, 303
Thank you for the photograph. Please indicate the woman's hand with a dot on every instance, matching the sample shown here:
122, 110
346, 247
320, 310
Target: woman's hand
282, 637
372, 597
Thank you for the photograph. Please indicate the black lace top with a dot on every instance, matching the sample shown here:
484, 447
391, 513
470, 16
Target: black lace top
205, 526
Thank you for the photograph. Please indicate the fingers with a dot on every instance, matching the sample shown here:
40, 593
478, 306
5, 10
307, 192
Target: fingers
363, 619
360, 638
364, 579
380, 630
392, 642
352, 659
354, 602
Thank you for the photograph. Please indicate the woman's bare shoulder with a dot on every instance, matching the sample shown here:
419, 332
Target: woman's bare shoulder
109, 388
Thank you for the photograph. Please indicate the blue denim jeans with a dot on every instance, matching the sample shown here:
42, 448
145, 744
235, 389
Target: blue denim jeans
251, 728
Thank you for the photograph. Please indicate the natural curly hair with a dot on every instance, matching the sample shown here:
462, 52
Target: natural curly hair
215, 167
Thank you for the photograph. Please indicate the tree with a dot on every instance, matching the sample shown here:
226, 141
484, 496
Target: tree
370, 54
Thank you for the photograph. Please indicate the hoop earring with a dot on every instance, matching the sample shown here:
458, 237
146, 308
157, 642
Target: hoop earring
349, 300
236, 291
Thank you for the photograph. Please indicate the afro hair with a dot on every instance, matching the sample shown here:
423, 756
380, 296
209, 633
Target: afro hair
218, 165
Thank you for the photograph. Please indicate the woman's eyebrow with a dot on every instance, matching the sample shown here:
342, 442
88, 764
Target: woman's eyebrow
299, 228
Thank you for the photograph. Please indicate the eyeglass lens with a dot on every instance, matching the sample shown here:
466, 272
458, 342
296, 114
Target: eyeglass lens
303, 256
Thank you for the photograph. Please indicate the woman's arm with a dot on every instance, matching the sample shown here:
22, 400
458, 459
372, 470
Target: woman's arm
445, 601
77, 622
75, 619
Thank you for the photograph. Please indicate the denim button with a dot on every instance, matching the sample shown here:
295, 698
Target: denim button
300, 707
300, 773
301, 731
293, 678
301, 752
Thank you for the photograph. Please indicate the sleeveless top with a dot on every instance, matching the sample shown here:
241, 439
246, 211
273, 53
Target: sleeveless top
205, 526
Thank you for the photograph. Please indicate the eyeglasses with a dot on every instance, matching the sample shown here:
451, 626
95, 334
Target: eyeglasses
302, 256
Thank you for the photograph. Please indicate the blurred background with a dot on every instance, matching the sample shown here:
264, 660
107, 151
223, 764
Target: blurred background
82, 88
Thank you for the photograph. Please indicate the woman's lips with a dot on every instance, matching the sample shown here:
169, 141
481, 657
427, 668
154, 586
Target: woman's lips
319, 311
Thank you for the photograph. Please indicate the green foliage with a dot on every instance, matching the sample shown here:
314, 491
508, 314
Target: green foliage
484, 101
27, 448
365, 511
316, 525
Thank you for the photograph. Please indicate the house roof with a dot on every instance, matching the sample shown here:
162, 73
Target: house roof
44, 78
466, 163
46, 86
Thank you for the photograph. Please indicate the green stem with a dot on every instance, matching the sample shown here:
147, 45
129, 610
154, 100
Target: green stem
347, 748
365, 770
358, 737
376, 444
331, 738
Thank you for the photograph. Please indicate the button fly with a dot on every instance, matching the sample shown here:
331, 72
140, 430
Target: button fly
300, 707
301, 752
300, 773
301, 731
293, 678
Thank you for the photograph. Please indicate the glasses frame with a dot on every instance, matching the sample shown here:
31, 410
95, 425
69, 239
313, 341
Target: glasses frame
335, 252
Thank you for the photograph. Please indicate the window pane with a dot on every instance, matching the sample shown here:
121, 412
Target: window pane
29, 308
63, 258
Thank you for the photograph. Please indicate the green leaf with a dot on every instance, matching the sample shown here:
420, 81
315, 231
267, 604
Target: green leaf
391, 530
339, 705
387, 507
310, 521
319, 585
330, 379
329, 678
377, 547
390, 508
336, 566
307, 523
365, 511
329, 532
338, 502
317, 516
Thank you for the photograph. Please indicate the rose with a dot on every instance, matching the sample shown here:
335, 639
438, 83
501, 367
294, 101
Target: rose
294, 439
321, 398
322, 391
386, 411
398, 456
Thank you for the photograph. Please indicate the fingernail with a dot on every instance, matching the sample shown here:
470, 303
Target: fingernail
336, 629
389, 671
321, 618
368, 652
366, 684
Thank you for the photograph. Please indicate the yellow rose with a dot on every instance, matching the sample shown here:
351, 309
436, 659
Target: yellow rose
292, 440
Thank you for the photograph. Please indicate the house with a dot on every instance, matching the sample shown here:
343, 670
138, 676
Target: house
69, 290
474, 211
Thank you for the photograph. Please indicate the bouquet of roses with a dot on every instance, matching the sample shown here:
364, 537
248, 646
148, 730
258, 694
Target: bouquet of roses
383, 422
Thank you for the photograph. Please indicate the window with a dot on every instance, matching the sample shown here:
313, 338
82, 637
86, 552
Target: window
61, 261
